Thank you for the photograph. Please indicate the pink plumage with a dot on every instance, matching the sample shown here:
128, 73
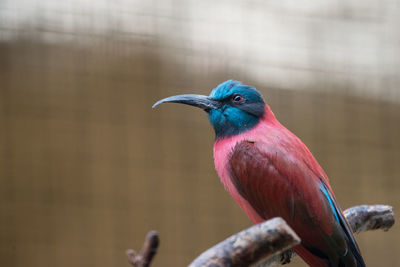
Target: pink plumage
281, 163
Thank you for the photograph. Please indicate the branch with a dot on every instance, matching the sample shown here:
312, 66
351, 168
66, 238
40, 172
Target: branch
149, 250
268, 239
365, 218
250, 245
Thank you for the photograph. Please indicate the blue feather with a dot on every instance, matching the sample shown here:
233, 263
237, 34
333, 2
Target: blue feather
327, 195
234, 118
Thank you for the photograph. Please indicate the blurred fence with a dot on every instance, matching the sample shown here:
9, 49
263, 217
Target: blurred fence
87, 167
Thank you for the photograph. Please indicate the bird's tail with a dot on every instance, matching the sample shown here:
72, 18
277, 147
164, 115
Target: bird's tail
353, 254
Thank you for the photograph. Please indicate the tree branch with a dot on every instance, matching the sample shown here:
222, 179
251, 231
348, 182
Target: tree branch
149, 250
370, 217
269, 241
255, 246
250, 245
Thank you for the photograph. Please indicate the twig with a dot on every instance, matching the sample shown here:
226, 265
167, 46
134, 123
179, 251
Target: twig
144, 258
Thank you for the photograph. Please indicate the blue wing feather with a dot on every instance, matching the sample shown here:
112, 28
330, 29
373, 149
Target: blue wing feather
330, 200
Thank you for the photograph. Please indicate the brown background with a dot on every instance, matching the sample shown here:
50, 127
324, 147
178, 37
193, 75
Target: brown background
87, 167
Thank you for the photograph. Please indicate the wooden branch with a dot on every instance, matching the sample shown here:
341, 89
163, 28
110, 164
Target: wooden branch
149, 250
227, 253
361, 218
269, 241
250, 245
370, 217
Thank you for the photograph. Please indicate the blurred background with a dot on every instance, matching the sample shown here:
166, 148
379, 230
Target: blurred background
87, 167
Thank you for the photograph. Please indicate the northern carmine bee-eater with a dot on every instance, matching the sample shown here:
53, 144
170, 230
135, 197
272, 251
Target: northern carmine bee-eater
271, 173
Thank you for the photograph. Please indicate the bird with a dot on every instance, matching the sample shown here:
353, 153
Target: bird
270, 173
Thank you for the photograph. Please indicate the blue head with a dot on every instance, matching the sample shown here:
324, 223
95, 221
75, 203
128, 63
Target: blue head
232, 107
241, 107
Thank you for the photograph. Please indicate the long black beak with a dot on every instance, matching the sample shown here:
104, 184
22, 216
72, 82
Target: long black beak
200, 101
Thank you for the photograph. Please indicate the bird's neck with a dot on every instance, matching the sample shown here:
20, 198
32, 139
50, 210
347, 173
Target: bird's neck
269, 116
268, 119
268, 124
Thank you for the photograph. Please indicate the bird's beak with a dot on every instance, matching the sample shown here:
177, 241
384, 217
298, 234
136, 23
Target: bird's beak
200, 101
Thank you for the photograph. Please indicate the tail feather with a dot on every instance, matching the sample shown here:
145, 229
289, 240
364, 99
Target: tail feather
353, 256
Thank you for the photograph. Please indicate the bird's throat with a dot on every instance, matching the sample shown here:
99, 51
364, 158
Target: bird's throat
231, 122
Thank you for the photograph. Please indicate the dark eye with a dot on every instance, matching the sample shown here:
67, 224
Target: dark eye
237, 98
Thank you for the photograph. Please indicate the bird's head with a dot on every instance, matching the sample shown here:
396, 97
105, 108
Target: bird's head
232, 107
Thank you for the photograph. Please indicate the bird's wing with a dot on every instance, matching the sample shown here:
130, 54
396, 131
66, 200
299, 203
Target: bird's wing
278, 183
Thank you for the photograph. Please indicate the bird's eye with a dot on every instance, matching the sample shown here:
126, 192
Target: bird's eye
237, 98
